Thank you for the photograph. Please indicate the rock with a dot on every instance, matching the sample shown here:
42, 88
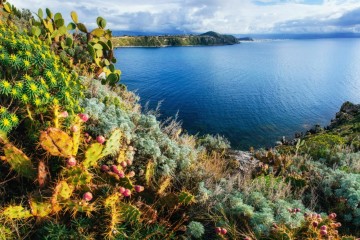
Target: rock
247, 162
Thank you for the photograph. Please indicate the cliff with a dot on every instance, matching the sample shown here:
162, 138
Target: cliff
205, 39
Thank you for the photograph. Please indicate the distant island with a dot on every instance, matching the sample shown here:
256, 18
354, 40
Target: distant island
206, 39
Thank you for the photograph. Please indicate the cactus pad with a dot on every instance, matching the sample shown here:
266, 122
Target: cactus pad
79, 206
56, 142
92, 155
186, 198
130, 213
16, 212
19, 161
40, 209
113, 144
77, 176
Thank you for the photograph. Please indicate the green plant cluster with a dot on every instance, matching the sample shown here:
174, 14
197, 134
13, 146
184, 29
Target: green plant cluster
33, 79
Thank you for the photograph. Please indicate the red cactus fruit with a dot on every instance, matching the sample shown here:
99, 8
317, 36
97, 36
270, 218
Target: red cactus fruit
105, 168
129, 162
74, 128
70, 162
100, 139
223, 231
323, 227
139, 188
122, 190
88, 196
123, 164
247, 238
323, 232
338, 224
131, 174
84, 117
218, 230
115, 169
315, 224
121, 174
332, 215
64, 114
127, 193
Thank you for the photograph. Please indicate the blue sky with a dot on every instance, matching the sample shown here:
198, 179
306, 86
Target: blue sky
224, 16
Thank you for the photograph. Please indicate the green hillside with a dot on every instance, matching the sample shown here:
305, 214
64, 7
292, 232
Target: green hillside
206, 39
80, 159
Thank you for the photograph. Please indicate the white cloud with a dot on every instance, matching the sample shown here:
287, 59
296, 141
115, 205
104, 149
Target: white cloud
226, 16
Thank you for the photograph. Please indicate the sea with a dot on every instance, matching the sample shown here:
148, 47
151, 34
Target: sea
252, 93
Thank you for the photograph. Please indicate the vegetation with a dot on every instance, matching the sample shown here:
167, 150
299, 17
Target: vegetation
206, 39
81, 160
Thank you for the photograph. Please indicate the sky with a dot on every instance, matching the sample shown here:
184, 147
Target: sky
224, 16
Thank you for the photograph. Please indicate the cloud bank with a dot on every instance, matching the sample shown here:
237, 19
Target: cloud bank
225, 16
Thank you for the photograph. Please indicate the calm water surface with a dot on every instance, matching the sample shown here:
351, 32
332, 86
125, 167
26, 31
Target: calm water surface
252, 93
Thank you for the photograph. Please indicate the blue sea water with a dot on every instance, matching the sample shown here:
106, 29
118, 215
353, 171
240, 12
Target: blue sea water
251, 93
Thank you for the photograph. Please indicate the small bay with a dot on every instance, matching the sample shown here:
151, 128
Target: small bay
252, 93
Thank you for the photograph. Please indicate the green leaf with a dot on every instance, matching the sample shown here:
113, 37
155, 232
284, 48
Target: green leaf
40, 13
112, 78
36, 31
101, 22
68, 41
98, 32
107, 63
59, 22
104, 45
7, 7
91, 51
98, 46
113, 60
109, 43
71, 26
112, 67
48, 13
58, 16
74, 17
62, 30
82, 27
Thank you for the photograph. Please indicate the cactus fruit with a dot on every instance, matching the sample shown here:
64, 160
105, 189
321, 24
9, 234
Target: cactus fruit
127, 193
100, 139
84, 117
88, 196
105, 168
223, 231
131, 174
139, 188
64, 114
122, 190
74, 128
218, 230
71, 162
123, 164
40, 209
113, 143
56, 142
19, 161
16, 212
92, 155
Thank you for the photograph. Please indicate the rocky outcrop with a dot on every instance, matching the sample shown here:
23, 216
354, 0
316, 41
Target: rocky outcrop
348, 112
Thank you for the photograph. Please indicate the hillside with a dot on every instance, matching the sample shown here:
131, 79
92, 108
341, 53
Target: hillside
80, 158
206, 39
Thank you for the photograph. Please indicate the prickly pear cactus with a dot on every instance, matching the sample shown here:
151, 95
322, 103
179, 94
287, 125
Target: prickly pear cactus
77, 176
92, 155
56, 142
186, 198
40, 209
79, 206
19, 161
113, 144
16, 212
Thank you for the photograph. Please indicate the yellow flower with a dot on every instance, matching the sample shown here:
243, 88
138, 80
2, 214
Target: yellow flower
14, 118
37, 102
33, 87
26, 63
6, 122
